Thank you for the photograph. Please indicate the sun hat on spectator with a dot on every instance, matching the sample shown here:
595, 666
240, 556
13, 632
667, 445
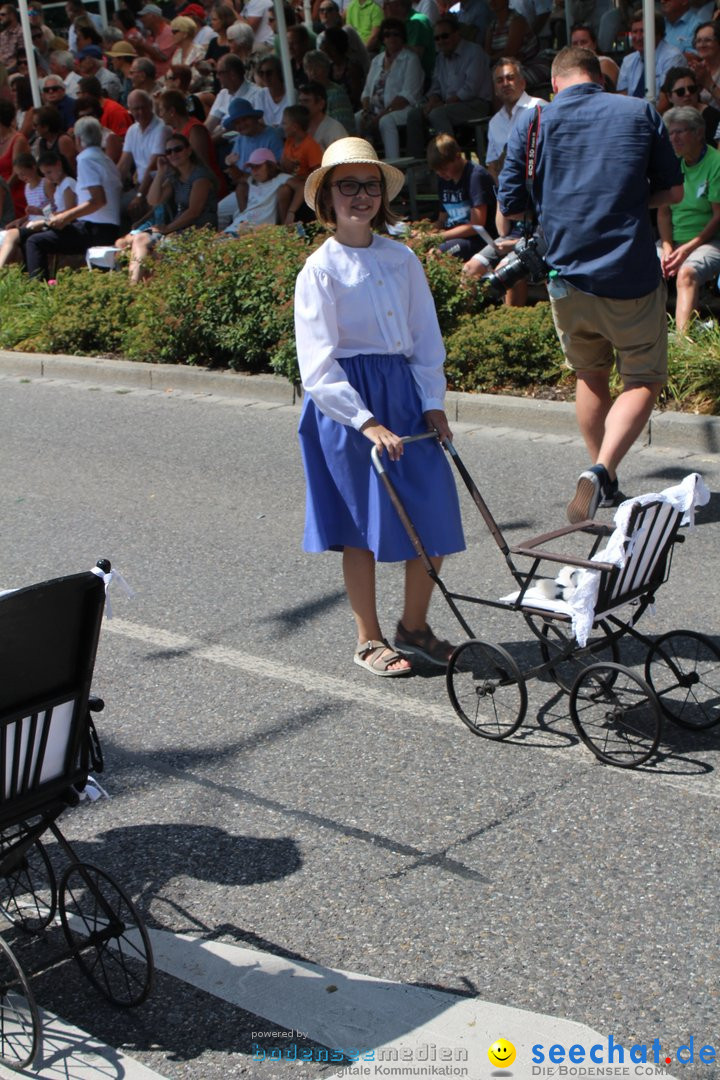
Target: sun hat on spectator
122, 48
150, 9
239, 108
260, 156
193, 11
90, 50
352, 151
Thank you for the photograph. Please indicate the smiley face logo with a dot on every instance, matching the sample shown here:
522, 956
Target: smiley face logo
501, 1053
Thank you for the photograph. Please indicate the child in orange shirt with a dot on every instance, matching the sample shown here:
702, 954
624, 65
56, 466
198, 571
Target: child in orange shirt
301, 154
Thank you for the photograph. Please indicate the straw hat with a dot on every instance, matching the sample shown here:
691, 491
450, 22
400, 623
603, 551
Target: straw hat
121, 48
352, 151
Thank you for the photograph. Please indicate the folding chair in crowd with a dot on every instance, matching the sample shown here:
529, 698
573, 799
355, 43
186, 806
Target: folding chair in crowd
579, 621
48, 744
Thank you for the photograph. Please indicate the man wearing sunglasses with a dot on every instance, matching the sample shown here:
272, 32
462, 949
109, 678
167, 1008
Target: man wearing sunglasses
460, 90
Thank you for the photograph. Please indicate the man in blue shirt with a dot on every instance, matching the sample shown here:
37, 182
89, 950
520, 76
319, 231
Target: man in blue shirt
631, 80
607, 293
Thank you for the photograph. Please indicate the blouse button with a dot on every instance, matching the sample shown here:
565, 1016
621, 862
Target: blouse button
380, 281
390, 314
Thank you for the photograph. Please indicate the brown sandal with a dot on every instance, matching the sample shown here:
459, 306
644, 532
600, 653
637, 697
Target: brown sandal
424, 645
370, 656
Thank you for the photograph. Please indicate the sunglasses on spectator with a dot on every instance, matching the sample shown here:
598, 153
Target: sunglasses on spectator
52, 89
681, 91
175, 149
372, 188
442, 37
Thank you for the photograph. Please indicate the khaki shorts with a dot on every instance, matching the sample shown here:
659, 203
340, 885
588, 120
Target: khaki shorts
705, 261
592, 329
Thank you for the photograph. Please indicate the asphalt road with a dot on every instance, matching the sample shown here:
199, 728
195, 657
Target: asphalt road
267, 794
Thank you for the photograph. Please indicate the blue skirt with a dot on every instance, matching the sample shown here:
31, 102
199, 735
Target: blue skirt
347, 505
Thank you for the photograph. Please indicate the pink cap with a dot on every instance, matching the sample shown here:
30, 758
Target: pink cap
259, 157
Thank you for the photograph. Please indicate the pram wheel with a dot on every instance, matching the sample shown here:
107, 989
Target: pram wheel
111, 943
556, 636
19, 1017
616, 714
28, 891
487, 689
683, 668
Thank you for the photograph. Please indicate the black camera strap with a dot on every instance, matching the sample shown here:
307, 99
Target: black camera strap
530, 164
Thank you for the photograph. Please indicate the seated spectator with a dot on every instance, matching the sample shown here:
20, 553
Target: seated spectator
186, 50
467, 198
460, 90
204, 33
37, 200
394, 85
172, 109
323, 128
631, 80
144, 142
183, 182
681, 89
268, 195
681, 22
300, 43
113, 116
510, 34
50, 136
418, 32
96, 217
233, 84
90, 62
272, 97
179, 77
255, 13
54, 93
75, 11
160, 44
706, 64
124, 20
62, 64
510, 91
11, 38
240, 40
365, 17
329, 16
143, 75
87, 105
21, 96
475, 17
690, 230
12, 144
120, 57
222, 17
344, 71
252, 134
317, 67
60, 187
584, 38
301, 154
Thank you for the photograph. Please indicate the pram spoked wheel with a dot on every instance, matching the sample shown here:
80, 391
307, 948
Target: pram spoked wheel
487, 689
616, 714
554, 636
19, 1017
683, 668
28, 890
108, 937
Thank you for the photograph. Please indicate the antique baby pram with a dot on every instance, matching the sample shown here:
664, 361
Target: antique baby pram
48, 745
578, 621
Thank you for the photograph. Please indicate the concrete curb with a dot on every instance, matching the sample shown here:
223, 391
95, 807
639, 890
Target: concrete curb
666, 430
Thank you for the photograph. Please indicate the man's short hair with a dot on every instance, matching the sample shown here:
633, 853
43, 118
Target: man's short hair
509, 61
88, 131
314, 89
315, 57
90, 84
442, 150
298, 114
63, 59
233, 63
144, 64
639, 16
240, 33
687, 116
572, 58
448, 19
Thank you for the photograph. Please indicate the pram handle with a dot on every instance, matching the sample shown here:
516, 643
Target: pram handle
375, 456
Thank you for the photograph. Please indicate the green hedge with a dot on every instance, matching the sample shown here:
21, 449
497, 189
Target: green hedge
230, 304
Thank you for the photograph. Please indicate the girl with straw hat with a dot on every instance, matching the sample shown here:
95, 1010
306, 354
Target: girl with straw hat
371, 361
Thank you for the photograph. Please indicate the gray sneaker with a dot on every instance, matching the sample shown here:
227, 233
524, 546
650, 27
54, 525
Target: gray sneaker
587, 497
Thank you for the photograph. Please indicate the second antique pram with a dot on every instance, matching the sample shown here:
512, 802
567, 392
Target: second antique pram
579, 623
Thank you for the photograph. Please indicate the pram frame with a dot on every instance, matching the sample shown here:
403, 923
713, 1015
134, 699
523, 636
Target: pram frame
552, 629
49, 635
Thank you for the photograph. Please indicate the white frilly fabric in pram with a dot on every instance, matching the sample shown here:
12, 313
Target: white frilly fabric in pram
576, 590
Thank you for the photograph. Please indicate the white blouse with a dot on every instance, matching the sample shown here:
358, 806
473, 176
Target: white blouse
373, 300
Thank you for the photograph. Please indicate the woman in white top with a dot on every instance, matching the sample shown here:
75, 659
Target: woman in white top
371, 362
393, 86
36, 198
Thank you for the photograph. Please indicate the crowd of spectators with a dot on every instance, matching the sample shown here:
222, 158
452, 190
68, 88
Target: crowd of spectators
193, 125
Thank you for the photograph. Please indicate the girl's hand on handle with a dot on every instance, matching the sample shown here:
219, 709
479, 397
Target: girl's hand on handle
383, 439
437, 421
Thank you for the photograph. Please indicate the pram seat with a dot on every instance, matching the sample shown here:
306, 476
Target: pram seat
49, 635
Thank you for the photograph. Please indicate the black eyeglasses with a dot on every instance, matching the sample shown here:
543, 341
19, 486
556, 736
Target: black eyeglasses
52, 89
442, 37
174, 149
372, 188
681, 91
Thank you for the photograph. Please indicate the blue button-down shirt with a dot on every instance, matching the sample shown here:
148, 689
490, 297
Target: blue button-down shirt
599, 158
631, 79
